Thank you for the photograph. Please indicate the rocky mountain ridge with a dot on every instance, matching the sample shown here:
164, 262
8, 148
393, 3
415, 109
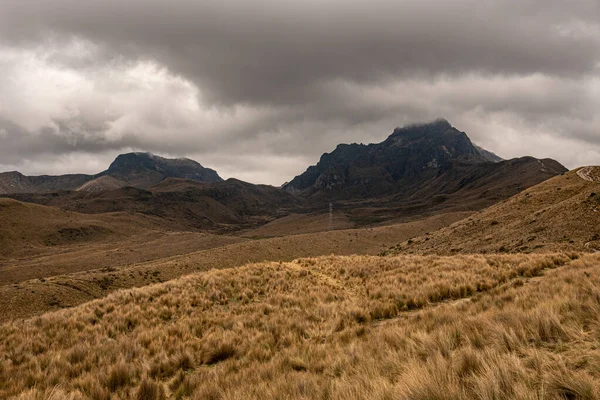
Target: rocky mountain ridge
433, 158
141, 170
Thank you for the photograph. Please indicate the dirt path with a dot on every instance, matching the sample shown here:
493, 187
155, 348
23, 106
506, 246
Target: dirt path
590, 174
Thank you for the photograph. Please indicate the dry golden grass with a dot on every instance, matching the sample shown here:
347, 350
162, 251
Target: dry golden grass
406, 327
561, 214
59, 284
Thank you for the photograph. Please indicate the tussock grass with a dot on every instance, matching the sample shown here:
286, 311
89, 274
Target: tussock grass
60, 286
560, 214
407, 327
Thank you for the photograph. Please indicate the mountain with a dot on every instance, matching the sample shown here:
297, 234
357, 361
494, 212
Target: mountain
417, 163
141, 170
560, 214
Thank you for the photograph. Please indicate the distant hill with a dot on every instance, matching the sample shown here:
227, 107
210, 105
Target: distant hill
184, 204
141, 170
28, 228
562, 213
433, 159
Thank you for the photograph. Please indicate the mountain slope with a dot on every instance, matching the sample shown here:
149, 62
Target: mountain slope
562, 213
488, 155
29, 228
432, 159
481, 185
182, 204
410, 154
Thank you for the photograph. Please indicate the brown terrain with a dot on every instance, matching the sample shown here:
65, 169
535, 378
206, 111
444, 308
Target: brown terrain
562, 213
64, 276
218, 207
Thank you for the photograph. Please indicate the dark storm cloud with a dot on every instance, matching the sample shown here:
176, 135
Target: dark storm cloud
282, 80
281, 51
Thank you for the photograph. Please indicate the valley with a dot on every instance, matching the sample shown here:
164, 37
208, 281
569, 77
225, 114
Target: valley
67, 276
299, 200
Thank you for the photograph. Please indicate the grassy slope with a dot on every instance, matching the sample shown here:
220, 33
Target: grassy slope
406, 327
38, 241
28, 229
36, 296
562, 213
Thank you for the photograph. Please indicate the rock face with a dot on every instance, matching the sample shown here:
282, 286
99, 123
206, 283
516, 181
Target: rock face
408, 161
141, 170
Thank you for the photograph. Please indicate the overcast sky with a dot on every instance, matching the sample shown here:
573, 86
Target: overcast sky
259, 90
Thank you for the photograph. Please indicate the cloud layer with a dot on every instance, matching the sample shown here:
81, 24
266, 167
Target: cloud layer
258, 90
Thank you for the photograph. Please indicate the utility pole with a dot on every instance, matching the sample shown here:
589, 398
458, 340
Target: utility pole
330, 217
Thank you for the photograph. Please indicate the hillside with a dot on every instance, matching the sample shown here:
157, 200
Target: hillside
407, 327
30, 228
420, 167
562, 213
225, 206
70, 276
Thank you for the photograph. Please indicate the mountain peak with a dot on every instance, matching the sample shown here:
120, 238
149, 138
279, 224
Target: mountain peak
145, 159
409, 158
144, 169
